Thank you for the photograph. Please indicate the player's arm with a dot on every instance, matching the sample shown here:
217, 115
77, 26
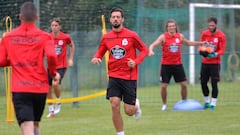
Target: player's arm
139, 45
71, 56
51, 57
157, 42
97, 58
191, 43
3, 55
222, 45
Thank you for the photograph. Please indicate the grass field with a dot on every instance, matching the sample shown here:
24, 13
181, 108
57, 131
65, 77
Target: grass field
93, 117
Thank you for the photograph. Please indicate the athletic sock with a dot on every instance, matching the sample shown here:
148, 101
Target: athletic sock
207, 99
51, 108
214, 101
120, 133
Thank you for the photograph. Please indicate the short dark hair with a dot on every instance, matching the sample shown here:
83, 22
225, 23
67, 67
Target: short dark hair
28, 11
212, 19
116, 9
56, 20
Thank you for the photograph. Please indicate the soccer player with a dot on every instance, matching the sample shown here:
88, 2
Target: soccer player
61, 41
210, 67
122, 45
171, 63
23, 49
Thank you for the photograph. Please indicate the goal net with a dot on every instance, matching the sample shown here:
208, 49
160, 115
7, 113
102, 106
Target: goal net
192, 22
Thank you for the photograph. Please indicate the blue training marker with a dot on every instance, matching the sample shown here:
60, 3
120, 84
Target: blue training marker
188, 105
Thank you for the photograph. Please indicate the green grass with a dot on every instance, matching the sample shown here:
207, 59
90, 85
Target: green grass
93, 117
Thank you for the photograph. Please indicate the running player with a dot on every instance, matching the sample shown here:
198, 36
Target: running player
23, 49
61, 41
122, 45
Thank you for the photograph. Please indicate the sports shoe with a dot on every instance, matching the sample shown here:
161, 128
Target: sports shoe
138, 113
164, 108
212, 107
50, 115
57, 108
206, 105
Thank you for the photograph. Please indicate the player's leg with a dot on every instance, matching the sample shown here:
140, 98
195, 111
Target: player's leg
204, 78
36, 128
165, 76
23, 107
27, 128
215, 78
57, 90
180, 77
114, 97
131, 103
164, 95
183, 90
50, 96
116, 114
39, 105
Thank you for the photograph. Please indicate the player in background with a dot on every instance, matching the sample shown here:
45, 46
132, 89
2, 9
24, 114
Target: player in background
171, 62
23, 49
61, 41
210, 67
122, 45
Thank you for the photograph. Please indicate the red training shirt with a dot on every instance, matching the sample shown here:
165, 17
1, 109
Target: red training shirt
121, 46
23, 49
172, 49
217, 41
60, 44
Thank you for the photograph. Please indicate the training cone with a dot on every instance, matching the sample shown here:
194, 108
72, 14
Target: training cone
188, 105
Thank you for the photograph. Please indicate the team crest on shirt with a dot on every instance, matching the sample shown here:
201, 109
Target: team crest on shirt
177, 40
173, 48
118, 52
215, 40
60, 42
124, 41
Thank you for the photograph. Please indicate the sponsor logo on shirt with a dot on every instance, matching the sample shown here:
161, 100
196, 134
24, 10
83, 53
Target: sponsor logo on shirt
58, 49
26, 64
173, 48
24, 40
118, 52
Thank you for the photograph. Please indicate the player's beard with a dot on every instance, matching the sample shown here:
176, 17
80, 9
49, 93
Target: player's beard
116, 25
213, 30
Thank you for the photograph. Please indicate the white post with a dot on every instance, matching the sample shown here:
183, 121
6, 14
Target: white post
191, 48
192, 7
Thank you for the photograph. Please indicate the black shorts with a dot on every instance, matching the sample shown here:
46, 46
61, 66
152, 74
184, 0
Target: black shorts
124, 89
28, 106
177, 71
61, 71
210, 70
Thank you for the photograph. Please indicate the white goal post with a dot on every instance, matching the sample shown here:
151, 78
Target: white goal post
192, 7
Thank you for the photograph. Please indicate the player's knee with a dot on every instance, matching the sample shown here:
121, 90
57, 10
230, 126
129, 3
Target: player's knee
164, 85
130, 111
183, 84
204, 83
214, 81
